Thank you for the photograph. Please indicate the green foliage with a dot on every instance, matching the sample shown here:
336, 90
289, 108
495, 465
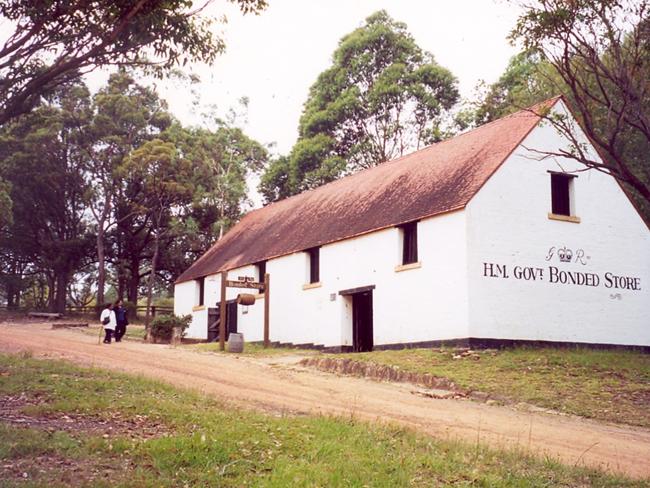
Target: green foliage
527, 80
5, 203
121, 172
382, 97
57, 41
600, 50
44, 165
221, 160
203, 442
254, 349
125, 115
162, 326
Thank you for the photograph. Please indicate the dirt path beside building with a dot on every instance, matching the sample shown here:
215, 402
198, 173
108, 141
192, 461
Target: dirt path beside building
277, 385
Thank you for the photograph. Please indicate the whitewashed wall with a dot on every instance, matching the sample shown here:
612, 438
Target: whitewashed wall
185, 300
508, 225
422, 304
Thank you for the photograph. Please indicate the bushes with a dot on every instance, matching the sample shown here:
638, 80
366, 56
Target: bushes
162, 327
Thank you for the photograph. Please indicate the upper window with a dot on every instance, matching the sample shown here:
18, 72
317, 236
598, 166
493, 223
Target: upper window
562, 194
314, 264
409, 243
200, 286
261, 270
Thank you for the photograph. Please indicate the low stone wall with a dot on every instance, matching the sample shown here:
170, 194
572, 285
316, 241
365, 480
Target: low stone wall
383, 373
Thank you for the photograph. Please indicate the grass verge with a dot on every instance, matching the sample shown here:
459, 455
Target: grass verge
67, 425
605, 385
254, 349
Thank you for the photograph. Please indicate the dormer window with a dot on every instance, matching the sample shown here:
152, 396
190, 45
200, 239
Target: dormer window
562, 197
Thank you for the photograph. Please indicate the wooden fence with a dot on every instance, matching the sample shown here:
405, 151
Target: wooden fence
140, 310
90, 310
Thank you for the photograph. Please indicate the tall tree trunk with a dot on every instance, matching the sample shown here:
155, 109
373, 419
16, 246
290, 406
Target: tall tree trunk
122, 277
51, 292
121, 282
61, 292
152, 277
12, 296
134, 280
41, 292
101, 254
101, 265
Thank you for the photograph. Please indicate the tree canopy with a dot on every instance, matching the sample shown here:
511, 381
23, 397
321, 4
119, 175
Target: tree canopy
600, 52
49, 234
382, 97
110, 188
527, 79
56, 41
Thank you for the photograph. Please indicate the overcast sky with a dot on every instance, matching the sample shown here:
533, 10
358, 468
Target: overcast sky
274, 58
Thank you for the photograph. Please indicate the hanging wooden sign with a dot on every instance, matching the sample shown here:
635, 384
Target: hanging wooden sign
244, 284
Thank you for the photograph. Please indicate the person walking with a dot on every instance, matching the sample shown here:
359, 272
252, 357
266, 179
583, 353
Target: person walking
108, 320
122, 320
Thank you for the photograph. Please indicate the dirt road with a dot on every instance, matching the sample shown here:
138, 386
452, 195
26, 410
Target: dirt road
279, 385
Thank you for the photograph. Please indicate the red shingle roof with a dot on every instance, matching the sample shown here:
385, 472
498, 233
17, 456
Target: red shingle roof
437, 179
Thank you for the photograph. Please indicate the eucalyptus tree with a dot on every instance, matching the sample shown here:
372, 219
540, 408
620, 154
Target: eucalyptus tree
51, 43
382, 96
600, 50
125, 116
221, 158
49, 234
527, 80
166, 180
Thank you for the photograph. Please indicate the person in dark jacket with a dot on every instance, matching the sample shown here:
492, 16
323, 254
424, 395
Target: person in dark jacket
122, 320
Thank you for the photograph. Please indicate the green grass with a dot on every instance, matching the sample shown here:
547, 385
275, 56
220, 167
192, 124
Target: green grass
254, 349
605, 385
203, 442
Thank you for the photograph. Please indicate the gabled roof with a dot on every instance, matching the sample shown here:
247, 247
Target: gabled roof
434, 180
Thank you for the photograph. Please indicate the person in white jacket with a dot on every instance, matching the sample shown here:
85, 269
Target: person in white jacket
109, 321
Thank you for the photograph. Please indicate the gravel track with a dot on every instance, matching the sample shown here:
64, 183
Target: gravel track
280, 385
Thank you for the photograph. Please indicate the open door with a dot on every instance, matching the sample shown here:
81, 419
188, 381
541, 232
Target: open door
214, 319
213, 324
362, 334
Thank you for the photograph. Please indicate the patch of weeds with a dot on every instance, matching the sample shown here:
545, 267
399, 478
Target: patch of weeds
253, 349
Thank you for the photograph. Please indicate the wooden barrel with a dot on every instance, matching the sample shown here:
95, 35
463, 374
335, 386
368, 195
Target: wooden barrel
236, 342
246, 299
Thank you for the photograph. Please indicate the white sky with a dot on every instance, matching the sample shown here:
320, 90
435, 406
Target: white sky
274, 58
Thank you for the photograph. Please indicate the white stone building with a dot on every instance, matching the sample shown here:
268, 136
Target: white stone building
471, 240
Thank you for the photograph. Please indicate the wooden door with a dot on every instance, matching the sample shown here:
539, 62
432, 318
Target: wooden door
362, 333
213, 324
214, 319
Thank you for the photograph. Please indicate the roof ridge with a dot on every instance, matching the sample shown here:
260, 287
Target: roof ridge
526, 110
438, 178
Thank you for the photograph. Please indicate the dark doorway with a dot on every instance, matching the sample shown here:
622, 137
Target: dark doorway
214, 321
362, 336
213, 324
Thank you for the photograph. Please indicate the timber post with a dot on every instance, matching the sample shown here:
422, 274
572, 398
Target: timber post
222, 313
267, 289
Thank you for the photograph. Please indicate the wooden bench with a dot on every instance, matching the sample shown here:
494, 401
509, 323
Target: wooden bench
65, 325
45, 315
